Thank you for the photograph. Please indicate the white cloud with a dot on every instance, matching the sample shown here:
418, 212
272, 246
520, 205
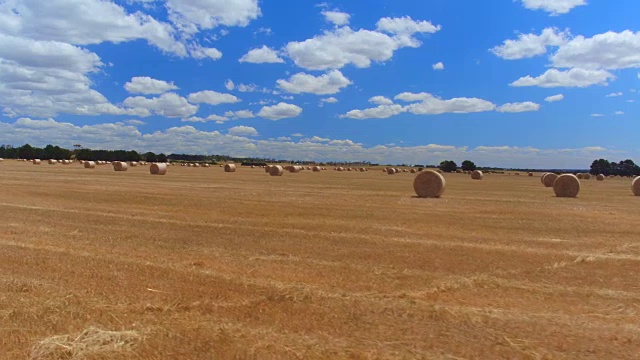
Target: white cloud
337, 18
168, 104
261, 55
615, 94
297, 135
280, 111
554, 98
571, 78
329, 100
597, 115
146, 85
530, 45
187, 139
199, 52
240, 114
217, 118
438, 66
342, 46
518, 107
555, 7
609, 50
406, 26
431, 105
619, 113
379, 112
85, 22
193, 15
134, 122
229, 85
380, 100
212, 98
283, 138
243, 131
330, 83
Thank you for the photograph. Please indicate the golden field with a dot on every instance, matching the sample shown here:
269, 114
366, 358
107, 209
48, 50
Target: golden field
202, 264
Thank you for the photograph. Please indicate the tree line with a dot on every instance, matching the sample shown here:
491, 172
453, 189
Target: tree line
621, 168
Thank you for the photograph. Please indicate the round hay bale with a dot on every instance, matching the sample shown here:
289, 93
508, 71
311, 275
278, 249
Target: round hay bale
133, 164
230, 168
635, 186
530, 174
158, 169
120, 166
477, 175
549, 179
316, 169
267, 168
413, 171
600, 177
579, 176
52, 162
36, 161
542, 177
253, 167
391, 171
295, 169
566, 185
89, 164
276, 170
586, 176
429, 184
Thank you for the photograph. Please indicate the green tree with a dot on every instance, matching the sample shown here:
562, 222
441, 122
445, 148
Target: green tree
162, 157
150, 157
468, 165
448, 166
27, 151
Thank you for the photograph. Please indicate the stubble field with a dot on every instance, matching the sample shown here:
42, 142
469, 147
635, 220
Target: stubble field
202, 264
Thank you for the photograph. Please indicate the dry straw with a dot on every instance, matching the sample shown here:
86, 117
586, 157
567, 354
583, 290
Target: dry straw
391, 171
549, 179
429, 184
600, 177
52, 162
530, 174
276, 170
566, 185
635, 186
158, 169
120, 166
89, 164
477, 175
230, 168
90, 343
579, 176
586, 176
542, 177
316, 169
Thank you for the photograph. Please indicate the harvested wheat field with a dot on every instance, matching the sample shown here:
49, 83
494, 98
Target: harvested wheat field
333, 265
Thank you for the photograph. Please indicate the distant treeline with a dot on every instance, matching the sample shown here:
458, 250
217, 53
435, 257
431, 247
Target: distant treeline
622, 168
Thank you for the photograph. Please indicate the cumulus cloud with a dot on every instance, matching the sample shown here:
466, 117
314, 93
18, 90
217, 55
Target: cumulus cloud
217, 118
146, 85
168, 104
380, 100
554, 98
554, 7
379, 112
615, 94
530, 45
428, 104
571, 78
330, 83
610, 50
212, 98
280, 111
438, 66
329, 100
229, 85
518, 107
261, 55
243, 131
240, 114
337, 18
194, 15
199, 52
342, 46
187, 139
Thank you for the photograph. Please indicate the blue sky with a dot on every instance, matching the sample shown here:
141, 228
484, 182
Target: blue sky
522, 83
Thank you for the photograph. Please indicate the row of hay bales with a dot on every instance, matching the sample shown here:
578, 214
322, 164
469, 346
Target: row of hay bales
431, 184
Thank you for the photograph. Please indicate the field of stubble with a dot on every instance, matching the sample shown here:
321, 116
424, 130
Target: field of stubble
202, 264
